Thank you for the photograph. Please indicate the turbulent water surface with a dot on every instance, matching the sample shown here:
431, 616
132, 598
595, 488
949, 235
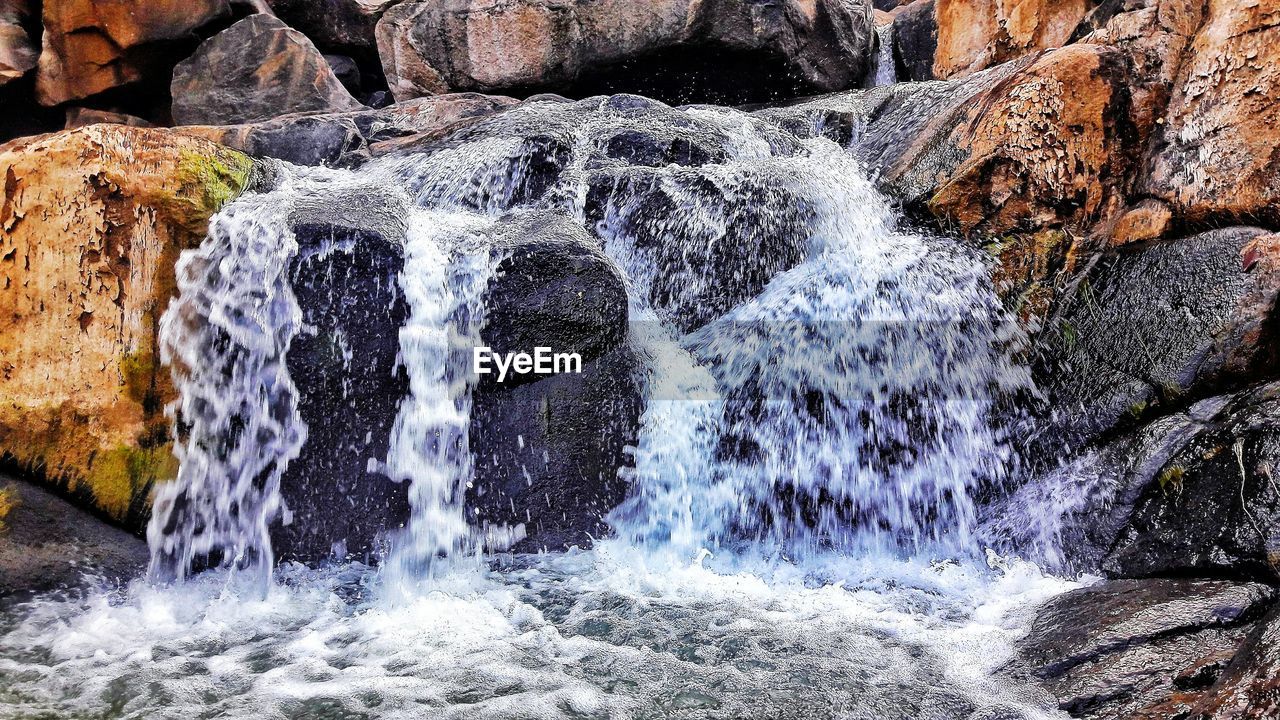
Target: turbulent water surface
799, 540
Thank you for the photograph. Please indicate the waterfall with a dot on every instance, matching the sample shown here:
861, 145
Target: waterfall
885, 68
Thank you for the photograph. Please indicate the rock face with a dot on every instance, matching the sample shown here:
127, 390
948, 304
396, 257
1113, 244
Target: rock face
255, 70
352, 138
664, 49
1163, 325
94, 45
1250, 684
91, 223
1216, 160
1147, 648
341, 25
978, 34
18, 55
47, 544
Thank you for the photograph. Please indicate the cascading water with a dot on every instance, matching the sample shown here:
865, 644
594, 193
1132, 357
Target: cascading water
821, 394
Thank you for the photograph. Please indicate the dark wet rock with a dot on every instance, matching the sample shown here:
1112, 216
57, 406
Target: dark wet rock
548, 449
1163, 325
345, 364
1214, 507
556, 289
1249, 687
720, 52
915, 41
347, 71
48, 544
255, 70
1126, 648
335, 25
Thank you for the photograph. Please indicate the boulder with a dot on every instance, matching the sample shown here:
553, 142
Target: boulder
47, 544
977, 34
675, 50
915, 41
1249, 686
255, 70
335, 25
1160, 326
1215, 158
350, 139
91, 46
91, 223
1139, 648
18, 54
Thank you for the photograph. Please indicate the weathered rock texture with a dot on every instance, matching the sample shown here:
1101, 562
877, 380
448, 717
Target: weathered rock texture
91, 223
1218, 158
350, 139
18, 54
94, 45
1149, 649
978, 34
255, 70
346, 25
485, 45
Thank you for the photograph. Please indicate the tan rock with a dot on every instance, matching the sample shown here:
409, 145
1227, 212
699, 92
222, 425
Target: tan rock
1046, 148
94, 45
1216, 159
977, 34
1148, 220
80, 117
91, 223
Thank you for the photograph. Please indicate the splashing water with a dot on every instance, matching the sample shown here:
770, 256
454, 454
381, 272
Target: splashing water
821, 403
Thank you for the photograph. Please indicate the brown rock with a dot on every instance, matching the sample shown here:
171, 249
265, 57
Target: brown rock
79, 117
91, 223
1249, 688
488, 45
1217, 159
978, 34
254, 70
18, 55
95, 45
1048, 147
1148, 220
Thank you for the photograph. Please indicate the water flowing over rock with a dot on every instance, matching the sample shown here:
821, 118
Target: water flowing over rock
671, 49
91, 223
255, 70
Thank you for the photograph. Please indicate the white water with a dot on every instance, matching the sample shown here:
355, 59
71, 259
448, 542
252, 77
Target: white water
865, 375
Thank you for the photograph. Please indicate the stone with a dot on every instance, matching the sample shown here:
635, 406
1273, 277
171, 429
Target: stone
1161, 326
91, 46
973, 35
47, 544
18, 54
80, 117
352, 138
1148, 220
1250, 685
1124, 648
335, 25
255, 70
915, 40
673, 50
1215, 159
91, 223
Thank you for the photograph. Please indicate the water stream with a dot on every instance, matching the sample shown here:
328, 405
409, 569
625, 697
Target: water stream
798, 540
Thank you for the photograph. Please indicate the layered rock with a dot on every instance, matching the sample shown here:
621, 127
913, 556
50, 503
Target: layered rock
1216, 158
350, 139
255, 70
663, 49
1147, 649
91, 46
91, 223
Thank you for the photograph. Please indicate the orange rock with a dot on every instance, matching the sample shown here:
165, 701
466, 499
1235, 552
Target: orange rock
1048, 147
1148, 220
1216, 160
91, 223
93, 45
977, 34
